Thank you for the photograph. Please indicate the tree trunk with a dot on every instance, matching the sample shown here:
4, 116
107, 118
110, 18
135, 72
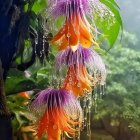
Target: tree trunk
123, 137
120, 132
10, 15
123, 132
5, 117
112, 130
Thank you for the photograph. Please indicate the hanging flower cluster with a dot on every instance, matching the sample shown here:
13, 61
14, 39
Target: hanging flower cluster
85, 69
58, 109
76, 28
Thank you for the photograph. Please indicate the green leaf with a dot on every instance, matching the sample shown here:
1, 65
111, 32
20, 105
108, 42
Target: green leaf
17, 82
24, 85
111, 4
39, 5
110, 26
100, 51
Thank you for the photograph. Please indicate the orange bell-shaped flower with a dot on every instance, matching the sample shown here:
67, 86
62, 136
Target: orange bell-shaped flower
78, 80
75, 30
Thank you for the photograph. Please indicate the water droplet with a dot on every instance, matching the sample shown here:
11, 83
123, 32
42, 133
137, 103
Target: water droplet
68, 35
78, 85
54, 127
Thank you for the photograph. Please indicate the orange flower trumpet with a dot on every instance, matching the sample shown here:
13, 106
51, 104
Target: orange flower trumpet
75, 30
85, 69
57, 111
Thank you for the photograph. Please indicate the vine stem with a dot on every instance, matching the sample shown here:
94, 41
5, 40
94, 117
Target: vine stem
3, 107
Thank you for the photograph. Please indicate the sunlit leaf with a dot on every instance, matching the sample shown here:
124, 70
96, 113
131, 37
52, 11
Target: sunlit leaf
110, 28
111, 4
39, 5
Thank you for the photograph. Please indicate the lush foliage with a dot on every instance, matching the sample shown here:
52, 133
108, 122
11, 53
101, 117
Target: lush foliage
121, 103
